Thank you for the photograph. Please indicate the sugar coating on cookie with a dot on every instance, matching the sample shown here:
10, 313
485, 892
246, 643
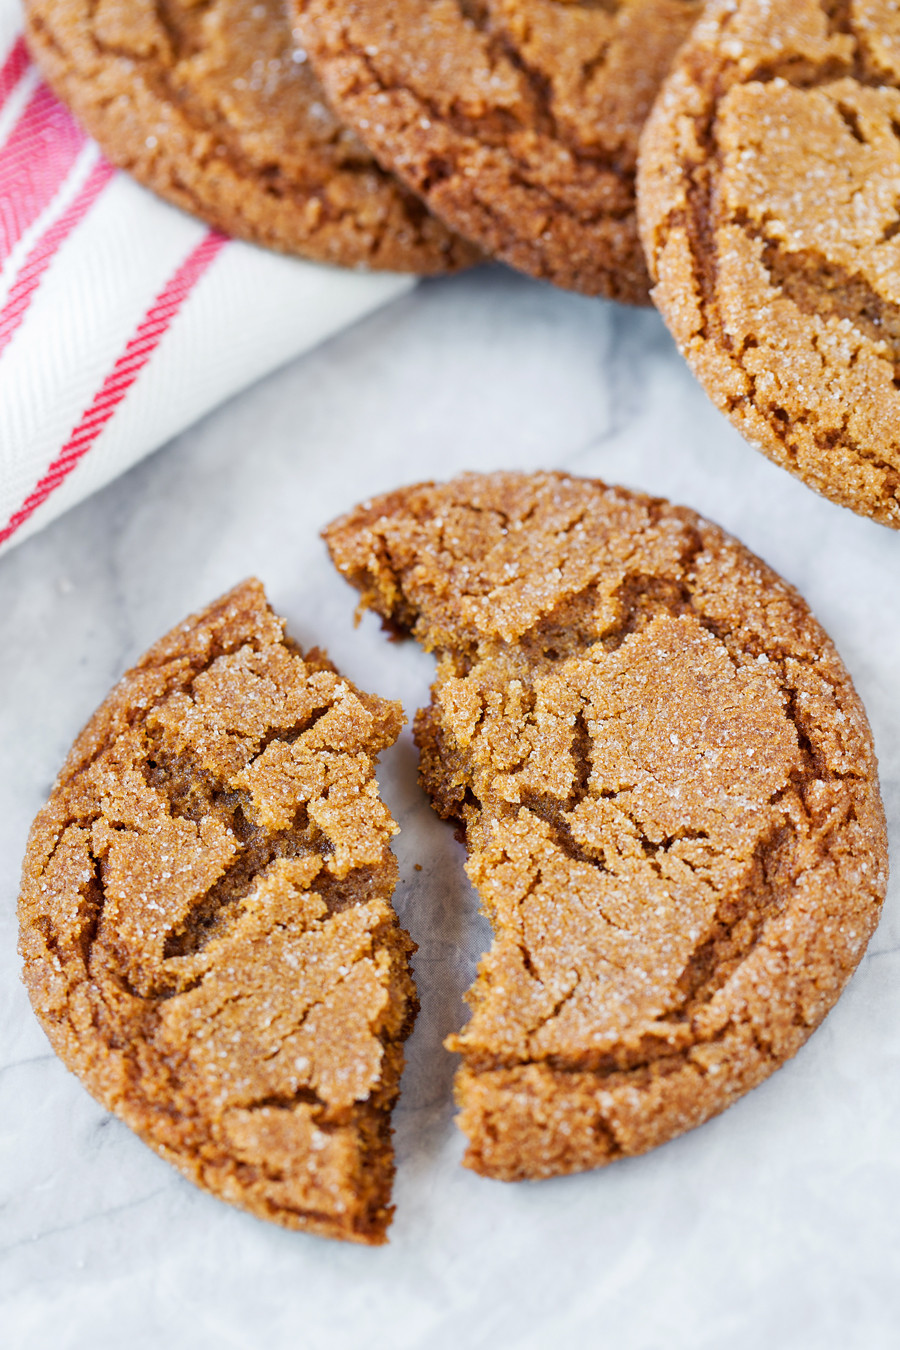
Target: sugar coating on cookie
769, 204
516, 120
206, 923
669, 796
215, 107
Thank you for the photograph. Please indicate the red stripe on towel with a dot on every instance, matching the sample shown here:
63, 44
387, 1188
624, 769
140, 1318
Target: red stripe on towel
23, 289
137, 353
13, 68
35, 161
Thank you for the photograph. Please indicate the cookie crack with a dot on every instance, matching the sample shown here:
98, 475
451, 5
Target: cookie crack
479, 131
822, 288
285, 1101
621, 164
737, 926
91, 892
214, 911
542, 1022
553, 814
862, 65
736, 929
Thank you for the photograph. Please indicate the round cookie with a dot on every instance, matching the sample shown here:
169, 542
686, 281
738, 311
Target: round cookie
206, 924
669, 796
215, 107
517, 121
769, 207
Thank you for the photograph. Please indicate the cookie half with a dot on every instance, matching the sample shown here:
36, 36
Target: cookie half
769, 192
516, 120
669, 797
215, 107
206, 923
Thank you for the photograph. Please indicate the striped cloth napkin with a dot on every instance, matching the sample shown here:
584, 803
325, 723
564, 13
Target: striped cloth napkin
123, 320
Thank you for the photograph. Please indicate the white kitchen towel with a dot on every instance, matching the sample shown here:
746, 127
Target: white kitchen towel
122, 320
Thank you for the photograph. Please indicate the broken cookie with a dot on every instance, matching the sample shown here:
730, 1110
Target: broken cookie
206, 921
669, 796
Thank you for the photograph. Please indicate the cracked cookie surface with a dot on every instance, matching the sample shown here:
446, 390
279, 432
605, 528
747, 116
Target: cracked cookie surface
516, 120
669, 796
206, 925
769, 206
213, 105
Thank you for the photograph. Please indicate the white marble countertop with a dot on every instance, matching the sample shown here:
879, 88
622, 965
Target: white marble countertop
776, 1225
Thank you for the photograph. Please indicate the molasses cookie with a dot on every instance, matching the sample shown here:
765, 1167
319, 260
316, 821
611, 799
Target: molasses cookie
215, 107
769, 195
669, 797
517, 121
206, 922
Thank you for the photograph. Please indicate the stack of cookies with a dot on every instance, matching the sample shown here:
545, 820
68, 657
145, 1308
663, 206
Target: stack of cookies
407, 134
423, 135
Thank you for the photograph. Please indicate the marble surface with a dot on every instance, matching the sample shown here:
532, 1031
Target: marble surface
775, 1225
